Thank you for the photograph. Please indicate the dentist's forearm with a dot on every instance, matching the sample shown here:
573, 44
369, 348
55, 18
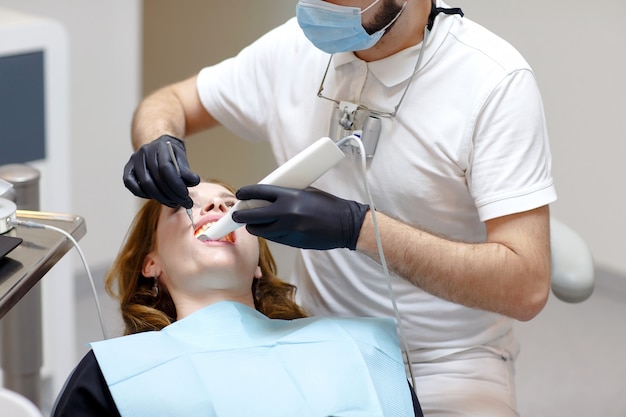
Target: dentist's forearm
161, 113
175, 110
509, 275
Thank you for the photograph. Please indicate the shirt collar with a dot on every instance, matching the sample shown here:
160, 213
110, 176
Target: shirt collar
398, 67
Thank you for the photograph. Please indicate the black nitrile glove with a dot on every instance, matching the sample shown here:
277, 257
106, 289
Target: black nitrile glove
150, 173
307, 219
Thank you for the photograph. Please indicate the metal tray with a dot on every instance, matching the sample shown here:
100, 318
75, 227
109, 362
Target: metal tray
40, 250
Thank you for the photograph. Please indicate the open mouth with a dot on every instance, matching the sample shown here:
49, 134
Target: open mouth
230, 238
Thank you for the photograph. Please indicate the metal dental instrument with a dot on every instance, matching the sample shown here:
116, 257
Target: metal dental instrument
188, 210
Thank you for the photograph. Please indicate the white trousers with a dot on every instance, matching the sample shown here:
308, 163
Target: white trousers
474, 383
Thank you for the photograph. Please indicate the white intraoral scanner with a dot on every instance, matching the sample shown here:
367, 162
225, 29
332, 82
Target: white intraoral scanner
298, 172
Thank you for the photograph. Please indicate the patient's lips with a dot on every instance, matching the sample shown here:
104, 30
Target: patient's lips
205, 225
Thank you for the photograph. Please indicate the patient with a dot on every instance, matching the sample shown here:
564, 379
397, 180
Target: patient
210, 330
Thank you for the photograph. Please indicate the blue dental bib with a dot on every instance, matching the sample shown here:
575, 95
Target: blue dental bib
230, 360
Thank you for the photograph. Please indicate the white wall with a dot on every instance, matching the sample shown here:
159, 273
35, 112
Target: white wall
104, 51
578, 51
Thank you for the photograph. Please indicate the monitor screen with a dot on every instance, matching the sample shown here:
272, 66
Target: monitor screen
22, 122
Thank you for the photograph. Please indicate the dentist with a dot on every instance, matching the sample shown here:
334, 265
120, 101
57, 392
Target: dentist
460, 173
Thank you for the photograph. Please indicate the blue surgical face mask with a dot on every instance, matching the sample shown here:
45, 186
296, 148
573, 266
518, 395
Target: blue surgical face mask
333, 28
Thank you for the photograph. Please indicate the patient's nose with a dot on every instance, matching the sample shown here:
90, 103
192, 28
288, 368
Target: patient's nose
215, 204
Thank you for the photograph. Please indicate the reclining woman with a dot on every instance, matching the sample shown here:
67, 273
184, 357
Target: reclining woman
210, 330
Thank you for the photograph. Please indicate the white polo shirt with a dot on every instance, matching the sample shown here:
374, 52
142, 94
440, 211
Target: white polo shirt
468, 144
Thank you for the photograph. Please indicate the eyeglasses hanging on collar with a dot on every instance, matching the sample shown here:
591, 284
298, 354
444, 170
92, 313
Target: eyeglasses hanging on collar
348, 117
345, 119
373, 111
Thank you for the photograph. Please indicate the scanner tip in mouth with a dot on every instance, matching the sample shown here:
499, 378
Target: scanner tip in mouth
229, 238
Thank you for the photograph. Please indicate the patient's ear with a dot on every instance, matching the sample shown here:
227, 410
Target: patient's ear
151, 267
257, 272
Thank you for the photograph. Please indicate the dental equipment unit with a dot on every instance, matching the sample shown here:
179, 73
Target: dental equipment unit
7, 212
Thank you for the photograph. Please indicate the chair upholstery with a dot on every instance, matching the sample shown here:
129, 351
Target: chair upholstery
572, 264
16, 405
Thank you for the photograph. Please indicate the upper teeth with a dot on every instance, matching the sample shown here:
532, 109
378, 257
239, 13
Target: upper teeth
203, 228
228, 238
